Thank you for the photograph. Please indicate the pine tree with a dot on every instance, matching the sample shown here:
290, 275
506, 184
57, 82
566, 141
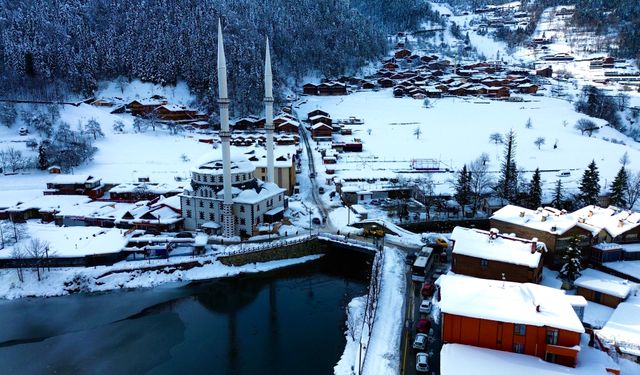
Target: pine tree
535, 190
619, 189
43, 162
571, 260
590, 185
463, 187
557, 195
508, 182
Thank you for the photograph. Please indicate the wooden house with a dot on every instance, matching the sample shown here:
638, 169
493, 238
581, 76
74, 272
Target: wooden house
385, 82
402, 53
246, 123
391, 66
545, 72
288, 127
527, 88
316, 112
602, 288
144, 107
498, 92
332, 88
317, 119
491, 255
368, 85
525, 318
310, 89
64, 184
321, 131
172, 112
552, 227
605, 252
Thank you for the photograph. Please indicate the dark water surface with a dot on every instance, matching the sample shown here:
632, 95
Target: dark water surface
285, 322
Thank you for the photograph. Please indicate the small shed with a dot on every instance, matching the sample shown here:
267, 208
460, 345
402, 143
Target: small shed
54, 169
606, 252
602, 288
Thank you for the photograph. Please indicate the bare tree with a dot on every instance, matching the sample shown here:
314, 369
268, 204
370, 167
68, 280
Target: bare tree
496, 138
426, 193
118, 126
38, 250
417, 132
93, 127
481, 180
18, 254
586, 126
528, 124
13, 159
633, 189
624, 159
539, 142
11, 232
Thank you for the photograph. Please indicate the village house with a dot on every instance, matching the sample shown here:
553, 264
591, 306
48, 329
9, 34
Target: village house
527, 88
66, 184
317, 112
611, 224
163, 214
284, 166
332, 88
310, 89
143, 107
521, 318
320, 119
173, 112
44, 207
602, 288
138, 191
321, 131
553, 227
402, 53
491, 255
621, 333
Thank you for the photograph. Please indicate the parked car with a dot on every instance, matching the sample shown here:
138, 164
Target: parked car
152, 232
423, 325
422, 362
23, 131
564, 174
410, 258
420, 342
427, 289
184, 235
316, 221
321, 190
425, 306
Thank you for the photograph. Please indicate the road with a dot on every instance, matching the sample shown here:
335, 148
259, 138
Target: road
412, 315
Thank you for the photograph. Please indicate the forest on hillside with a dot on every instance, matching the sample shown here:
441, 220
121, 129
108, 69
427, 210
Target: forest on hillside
60, 46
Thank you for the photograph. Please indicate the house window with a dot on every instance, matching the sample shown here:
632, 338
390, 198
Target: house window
258, 220
241, 208
201, 204
280, 197
201, 215
518, 347
211, 217
552, 336
242, 221
519, 329
484, 263
189, 213
210, 204
237, 178
550, 357
187, 202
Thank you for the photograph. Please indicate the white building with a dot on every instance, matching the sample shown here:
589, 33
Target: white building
252, 198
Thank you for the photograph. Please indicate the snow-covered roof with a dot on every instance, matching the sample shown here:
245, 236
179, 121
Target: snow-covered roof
211, 163
604, 283
284, 153
73, 179
176, 108
623, 327
509, 302
97, 209
610, 219
630, 248
51, 203
320, 125
554, 222
161, 188
480, 244
265, 190
457, 359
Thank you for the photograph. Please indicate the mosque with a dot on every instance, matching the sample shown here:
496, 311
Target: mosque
225, 197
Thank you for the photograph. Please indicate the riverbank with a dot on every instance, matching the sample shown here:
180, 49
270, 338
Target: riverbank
128, 275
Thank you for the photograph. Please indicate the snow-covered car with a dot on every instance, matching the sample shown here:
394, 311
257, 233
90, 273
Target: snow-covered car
423, 325
564, 174
420, 341
23, 131
422, 362
425, 306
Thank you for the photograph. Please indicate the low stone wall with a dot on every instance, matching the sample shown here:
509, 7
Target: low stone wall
84, 261
311, 246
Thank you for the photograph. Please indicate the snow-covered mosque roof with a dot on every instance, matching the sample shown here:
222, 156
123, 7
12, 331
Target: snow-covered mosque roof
211, 163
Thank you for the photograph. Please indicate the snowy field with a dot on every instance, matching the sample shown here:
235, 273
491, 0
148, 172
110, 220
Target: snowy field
456, 131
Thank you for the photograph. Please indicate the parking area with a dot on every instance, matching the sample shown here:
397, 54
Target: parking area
419, 322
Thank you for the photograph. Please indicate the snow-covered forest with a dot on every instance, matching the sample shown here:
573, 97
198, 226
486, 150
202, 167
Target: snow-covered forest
77, 43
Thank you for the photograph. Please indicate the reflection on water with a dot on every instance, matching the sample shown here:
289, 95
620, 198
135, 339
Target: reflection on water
287, 322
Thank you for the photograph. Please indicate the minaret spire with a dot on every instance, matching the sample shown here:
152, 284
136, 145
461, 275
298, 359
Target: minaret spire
225, 135
268, 112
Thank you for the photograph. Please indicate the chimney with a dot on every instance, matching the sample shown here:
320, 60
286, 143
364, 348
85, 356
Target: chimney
537, 308
543, 218
521, 213
590, 213
620, 223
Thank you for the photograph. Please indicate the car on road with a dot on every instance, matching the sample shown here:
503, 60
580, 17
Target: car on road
410, 258
420, 342
427, 289
184, 235
564, 174
425, 306
423, 326
422, 362
316, 221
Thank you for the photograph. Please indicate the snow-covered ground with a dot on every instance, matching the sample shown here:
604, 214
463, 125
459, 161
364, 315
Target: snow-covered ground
60, 281
456, 131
